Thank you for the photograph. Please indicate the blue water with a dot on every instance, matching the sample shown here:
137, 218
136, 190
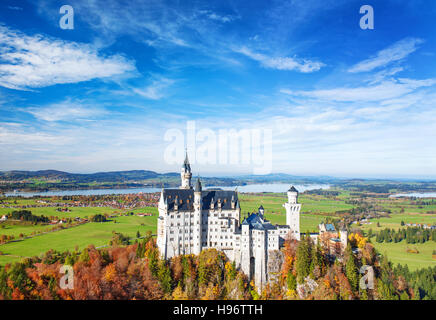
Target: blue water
415, 194
273, 187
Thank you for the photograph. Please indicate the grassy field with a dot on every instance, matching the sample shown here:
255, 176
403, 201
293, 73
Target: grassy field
9, 228
276, 213
75, 211
315, 208
394, 221
81, 236
396, 253
310, 203
99, 234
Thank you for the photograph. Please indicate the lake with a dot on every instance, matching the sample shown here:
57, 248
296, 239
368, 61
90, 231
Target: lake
273, 187
415, 194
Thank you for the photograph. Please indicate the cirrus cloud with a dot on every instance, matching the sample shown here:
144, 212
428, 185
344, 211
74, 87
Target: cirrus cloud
282, 63
396, 52
39, 61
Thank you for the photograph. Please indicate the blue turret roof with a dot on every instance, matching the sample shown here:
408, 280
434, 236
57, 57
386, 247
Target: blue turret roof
255, 221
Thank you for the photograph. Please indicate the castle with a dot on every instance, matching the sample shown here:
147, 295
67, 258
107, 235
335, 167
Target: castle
193, 219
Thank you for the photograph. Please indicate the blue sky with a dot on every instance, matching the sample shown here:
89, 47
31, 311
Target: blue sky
339, 100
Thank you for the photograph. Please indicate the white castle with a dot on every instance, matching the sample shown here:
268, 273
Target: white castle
192, 219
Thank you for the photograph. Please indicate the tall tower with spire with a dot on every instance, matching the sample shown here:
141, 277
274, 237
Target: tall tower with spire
197, 222
293, 212
186, 174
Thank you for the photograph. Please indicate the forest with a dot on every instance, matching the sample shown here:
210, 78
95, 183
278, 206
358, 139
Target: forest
26, 215
409, 234
136, 272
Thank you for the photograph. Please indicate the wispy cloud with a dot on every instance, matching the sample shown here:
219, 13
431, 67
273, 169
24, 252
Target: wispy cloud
39, 61
384, 74
66, 111
156, 90
214, 16
396, 52
282, 63
385, 90
15, 8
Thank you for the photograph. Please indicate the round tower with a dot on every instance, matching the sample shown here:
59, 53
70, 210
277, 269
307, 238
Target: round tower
292, 195
197, 223
344, 239
293, 212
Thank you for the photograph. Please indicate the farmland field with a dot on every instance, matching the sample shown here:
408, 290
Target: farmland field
394, 221
315, 209
397, 254
81, 236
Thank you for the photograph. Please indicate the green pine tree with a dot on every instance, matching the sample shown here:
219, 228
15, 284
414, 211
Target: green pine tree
351, 270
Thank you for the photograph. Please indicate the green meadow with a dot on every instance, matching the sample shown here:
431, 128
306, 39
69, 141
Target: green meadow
394, 221
273, 203
16, 229
315, 209
397, 254
81, 212
80, 236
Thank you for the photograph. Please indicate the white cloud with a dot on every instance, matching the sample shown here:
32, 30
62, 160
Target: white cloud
385, 90
22, 138
214, 16
395, 52
65, 111
282, 63
384, 74
38, 61
156, 90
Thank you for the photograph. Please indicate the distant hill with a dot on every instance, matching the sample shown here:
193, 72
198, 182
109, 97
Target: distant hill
147, 175
113, 176
44, 180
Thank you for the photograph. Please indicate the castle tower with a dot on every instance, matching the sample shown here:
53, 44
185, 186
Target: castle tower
197, 218
186, 174
344, 239
162, 232
246, 251
293, 212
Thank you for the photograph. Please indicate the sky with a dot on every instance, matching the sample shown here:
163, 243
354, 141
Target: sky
114, 92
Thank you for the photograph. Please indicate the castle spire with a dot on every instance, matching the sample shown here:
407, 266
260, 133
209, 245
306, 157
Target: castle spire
186, 174
186, 164
198, 185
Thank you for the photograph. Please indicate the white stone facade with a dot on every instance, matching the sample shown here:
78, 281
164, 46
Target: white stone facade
192, 219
